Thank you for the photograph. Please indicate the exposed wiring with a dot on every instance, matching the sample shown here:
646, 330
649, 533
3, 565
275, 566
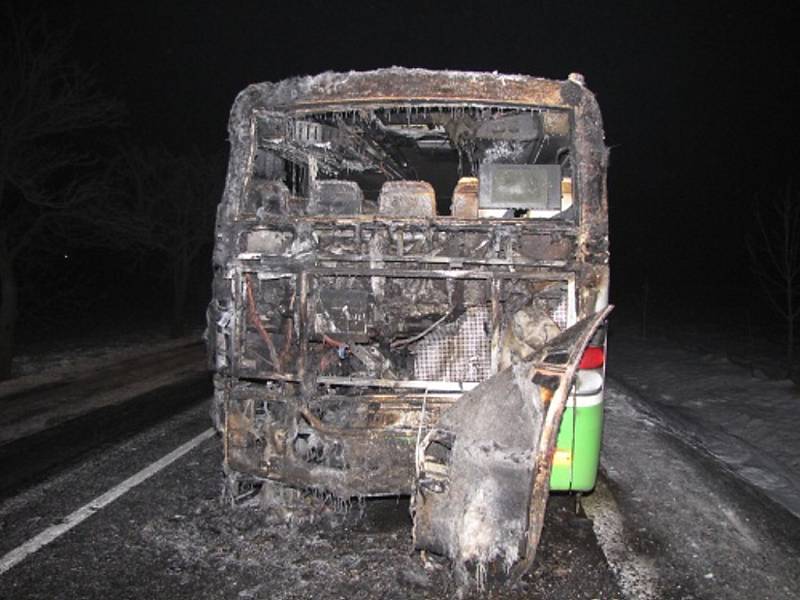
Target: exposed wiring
341, 348
417, 451
411, 340
256, 322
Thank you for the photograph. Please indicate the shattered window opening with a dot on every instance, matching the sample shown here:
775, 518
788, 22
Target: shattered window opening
526, 149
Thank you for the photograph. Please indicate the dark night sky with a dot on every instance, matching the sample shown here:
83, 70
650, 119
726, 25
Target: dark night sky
698, 100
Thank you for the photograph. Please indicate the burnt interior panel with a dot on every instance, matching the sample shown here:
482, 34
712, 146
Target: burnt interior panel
428, 144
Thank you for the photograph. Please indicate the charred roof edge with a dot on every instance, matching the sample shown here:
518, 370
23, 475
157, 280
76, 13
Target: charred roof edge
402, 84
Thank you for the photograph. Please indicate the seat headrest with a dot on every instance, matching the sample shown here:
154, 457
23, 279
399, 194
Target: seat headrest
464, 204
407, 199
267, 196
335, 197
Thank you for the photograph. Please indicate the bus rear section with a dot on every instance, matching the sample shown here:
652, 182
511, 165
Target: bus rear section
390, 243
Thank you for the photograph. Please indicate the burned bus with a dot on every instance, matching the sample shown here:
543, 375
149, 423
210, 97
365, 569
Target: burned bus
410, 284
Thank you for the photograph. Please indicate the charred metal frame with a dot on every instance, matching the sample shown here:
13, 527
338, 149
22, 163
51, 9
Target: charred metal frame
282, 415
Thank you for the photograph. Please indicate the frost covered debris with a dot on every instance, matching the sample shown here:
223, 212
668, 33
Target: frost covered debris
483, 471
225, 552
749, 424
474, 483
387, 241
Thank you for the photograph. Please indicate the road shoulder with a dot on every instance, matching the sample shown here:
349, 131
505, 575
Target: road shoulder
675, 524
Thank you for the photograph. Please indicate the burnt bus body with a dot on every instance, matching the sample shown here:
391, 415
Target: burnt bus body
386, 242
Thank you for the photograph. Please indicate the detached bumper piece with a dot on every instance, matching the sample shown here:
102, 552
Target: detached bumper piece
482, 474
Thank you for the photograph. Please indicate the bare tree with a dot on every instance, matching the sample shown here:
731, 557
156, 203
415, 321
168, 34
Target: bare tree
774, 250
45, 101
164, 203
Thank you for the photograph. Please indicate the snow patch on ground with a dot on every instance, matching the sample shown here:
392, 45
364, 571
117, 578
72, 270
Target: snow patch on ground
749, 424
637, 574
674, 525
45, 364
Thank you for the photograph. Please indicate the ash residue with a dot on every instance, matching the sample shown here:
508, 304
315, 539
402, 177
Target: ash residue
354, 554
247, 552
172, 538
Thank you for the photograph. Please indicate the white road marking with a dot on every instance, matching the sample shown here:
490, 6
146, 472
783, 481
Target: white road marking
637, 575
87, 510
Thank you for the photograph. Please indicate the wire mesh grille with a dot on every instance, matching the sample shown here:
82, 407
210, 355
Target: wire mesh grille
461, 350
559, 313
458, 351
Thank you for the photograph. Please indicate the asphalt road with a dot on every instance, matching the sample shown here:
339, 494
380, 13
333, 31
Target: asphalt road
675, 523
170, 536
33, 458
670, 522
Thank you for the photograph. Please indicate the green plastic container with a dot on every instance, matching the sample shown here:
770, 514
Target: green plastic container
577, 455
